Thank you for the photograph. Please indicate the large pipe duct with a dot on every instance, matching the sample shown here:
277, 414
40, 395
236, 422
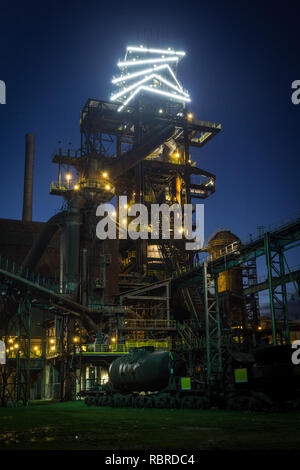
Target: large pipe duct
28, 178
42, 242
72, 244
151, 141
70, 221
84, 275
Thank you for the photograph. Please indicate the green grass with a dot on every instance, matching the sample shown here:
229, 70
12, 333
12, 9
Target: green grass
73, 425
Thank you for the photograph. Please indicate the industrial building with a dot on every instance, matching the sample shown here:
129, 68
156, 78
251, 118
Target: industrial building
71, 303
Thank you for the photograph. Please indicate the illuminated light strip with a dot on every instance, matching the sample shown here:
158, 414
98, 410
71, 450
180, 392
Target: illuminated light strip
166, 93
174, 76
155, 51
159, 92
146, 79
126, 90
147, 61
129, 99
133, 75
143, 72
164, 80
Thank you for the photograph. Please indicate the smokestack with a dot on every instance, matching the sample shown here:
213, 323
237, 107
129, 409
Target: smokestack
28, 178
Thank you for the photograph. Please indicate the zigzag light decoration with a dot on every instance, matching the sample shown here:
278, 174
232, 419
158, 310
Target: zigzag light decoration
148, 70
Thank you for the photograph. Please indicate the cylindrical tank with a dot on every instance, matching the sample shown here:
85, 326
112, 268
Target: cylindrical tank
145, 370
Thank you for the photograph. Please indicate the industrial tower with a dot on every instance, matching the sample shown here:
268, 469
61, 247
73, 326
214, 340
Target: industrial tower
105, 296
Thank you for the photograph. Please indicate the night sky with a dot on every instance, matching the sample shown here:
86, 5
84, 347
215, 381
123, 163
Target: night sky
241, 58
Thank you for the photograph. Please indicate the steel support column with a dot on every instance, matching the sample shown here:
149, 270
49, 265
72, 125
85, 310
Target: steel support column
284, 296
212, 326
270, 285
22, 380
278, 299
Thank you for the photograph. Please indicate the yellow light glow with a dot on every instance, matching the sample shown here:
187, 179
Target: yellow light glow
16, 346
75, 339
10, 340
76, 187
105, 174
104, 378
68, 176
52, 348
113, 340
35, 348
107, 187
52, 341
177, 155
181, 230
125, 206
190, 116
260, 327
11, 348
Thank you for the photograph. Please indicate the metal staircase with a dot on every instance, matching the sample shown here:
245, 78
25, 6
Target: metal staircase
188, 331
251, 300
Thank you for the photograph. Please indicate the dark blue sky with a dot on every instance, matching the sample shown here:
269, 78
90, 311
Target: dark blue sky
241, 60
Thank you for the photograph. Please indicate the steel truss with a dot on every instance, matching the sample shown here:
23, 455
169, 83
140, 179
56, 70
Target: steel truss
272, 246
14, 377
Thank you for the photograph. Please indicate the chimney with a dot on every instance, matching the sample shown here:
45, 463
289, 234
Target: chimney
28, 178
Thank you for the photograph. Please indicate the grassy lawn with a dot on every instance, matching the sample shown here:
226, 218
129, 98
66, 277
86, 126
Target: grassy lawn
73, 425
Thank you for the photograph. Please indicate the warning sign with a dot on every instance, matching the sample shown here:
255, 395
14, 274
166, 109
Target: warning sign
185, 383
240, 375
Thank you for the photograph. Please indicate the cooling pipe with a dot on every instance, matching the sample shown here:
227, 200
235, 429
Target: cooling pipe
28, 178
